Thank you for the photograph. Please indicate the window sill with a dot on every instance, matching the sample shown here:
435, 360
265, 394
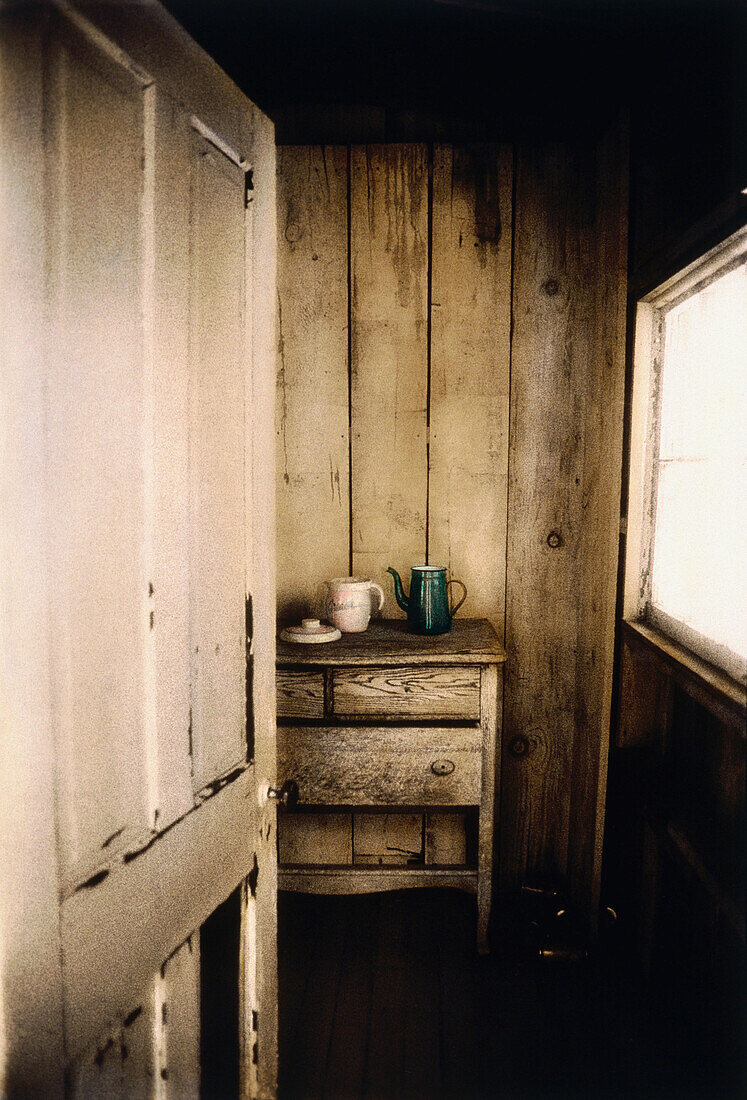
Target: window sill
708, 685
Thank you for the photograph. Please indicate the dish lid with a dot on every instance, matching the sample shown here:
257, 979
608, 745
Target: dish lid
310, 631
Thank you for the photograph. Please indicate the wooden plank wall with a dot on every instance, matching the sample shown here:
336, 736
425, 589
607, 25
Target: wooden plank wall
477, 336
394, 306
313, 485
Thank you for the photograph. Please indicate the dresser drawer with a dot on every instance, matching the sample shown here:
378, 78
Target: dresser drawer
300, 693
370, 766
420, 691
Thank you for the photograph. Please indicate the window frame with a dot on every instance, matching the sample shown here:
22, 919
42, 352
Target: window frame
650, 314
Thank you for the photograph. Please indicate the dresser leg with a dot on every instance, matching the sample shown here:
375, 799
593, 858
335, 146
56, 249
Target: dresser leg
484, 891
491, 686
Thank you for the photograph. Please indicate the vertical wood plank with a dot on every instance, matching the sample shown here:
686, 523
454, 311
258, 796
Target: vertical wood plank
445, 839
95, 449
388, 1024
389, 358
217, 447
346, 1058
470, 365
599, 534
313, 491
555, 265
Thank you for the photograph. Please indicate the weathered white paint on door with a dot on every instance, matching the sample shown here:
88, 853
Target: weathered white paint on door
169, 571
218, 426
155, 1049
95, 444
144, 423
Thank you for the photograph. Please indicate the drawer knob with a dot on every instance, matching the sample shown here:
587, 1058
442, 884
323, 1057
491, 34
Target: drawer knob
442, 767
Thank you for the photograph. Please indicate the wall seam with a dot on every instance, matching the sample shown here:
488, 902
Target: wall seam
350, 364
514, 173
428, 358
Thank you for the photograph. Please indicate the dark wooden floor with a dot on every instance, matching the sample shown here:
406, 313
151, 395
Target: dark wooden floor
385, 996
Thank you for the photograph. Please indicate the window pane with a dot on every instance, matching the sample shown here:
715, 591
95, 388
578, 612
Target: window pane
698, 573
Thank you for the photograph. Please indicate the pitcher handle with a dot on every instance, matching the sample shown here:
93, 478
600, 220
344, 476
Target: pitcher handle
464, 597
380, 590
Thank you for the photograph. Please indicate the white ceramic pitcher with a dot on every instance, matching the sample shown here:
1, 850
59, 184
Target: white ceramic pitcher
347, 603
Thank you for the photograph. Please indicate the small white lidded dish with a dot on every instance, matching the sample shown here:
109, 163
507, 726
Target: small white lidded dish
309, 632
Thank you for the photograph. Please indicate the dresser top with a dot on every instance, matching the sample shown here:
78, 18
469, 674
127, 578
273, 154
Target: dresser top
388, 642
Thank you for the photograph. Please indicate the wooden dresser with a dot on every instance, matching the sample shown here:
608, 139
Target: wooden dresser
394, 742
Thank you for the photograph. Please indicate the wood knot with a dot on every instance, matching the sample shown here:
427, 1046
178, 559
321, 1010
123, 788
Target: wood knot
554, 540
293, 232
551, 287
519, 746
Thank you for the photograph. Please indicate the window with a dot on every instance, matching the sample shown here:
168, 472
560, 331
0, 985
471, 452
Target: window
689, 458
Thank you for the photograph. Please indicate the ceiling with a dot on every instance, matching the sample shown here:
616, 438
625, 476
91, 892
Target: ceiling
455, 68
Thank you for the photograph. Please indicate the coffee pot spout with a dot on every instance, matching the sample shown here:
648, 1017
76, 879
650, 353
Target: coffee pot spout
399, 592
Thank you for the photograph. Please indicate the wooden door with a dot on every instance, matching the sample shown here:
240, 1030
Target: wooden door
151, 400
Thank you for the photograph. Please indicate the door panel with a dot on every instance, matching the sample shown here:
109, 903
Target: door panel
95, 433
180, 1023
217, 443
155, 1049
167, 199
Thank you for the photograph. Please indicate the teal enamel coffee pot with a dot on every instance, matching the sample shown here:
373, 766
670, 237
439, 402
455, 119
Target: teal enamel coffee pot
427, 606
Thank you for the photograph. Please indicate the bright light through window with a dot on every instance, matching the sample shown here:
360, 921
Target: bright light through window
698, 566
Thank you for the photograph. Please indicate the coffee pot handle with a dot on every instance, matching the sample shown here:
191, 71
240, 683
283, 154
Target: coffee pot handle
464, 596
380, 591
